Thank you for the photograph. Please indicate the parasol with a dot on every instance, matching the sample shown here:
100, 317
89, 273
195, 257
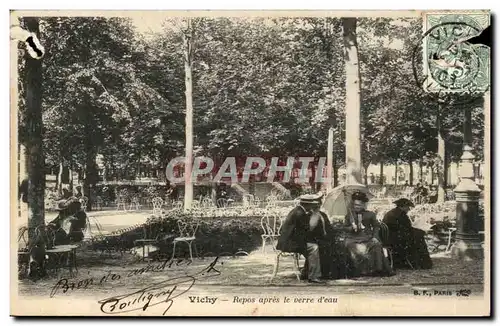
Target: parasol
338, 201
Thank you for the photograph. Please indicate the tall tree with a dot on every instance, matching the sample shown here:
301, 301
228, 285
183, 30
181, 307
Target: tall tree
34, 137
188, 34
352, 107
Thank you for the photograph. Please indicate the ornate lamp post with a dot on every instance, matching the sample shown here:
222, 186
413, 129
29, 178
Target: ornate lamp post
474, 78
468, 245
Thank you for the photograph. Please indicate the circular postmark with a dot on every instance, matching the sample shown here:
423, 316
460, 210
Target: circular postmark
451, 66
455, 67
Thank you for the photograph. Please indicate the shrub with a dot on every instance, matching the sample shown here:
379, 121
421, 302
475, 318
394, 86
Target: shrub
214, 236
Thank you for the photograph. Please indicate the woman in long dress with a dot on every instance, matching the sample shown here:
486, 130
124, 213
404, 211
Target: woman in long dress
362, 240
69, 223
408, 243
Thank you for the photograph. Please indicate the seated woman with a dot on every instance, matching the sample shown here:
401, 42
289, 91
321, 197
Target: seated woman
69, 223
408, 243
362, 240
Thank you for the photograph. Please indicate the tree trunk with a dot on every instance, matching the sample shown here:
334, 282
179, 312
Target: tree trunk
90, 157
411, 173
441, 160
396, 174
329, 160
335, 172
352, 105
70, 176
420, 171
34, 144
213, 193
59, 179
90, 176
381, 181
138, 175
312, 179
366, 175
445, 172
188, 57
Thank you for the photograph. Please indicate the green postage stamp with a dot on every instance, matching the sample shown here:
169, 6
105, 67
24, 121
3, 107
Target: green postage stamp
451, 62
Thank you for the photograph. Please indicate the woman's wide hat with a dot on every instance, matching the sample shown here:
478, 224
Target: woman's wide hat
358, 195
64, 204
402, 202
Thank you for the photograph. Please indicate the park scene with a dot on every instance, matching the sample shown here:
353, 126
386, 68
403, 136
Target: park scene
200, 145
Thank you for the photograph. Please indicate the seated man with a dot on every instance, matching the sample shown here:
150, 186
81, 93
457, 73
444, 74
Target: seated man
407, 242
296, 235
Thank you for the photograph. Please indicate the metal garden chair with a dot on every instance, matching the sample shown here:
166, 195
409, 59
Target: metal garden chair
187, 235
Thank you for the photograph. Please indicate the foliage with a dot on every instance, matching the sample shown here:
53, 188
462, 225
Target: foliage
268, 87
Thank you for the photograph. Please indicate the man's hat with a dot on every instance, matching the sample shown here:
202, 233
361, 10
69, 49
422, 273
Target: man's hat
358, 195
402, 202
311, 198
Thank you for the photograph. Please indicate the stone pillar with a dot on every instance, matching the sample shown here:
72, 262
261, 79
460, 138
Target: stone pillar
467, 245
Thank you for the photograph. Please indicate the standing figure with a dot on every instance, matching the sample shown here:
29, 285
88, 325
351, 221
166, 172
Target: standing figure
300, 232
408, 243
362, 240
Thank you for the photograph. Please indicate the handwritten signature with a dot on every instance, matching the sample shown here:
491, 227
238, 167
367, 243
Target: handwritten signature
161, 292
158, 293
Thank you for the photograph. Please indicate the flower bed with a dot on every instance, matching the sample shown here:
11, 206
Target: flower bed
215, 236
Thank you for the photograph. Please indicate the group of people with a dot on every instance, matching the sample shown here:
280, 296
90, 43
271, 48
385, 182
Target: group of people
308, 231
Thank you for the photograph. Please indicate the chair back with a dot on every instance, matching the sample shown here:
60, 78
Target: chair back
151, 230
248, 200
178, 204
206, 202
384, 233
135, 202
84, 201
271, 201
256, 201
271, 224
188, 228
45, 235
157, 205
222, 203
22, 239
99, 202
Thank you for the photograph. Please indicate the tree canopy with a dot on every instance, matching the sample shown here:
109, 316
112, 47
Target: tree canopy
261, 87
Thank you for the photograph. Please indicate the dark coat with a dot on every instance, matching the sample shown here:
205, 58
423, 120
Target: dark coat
294, 231
77, 224
372, 226
408, 243
295, 234
398, 223
332, 254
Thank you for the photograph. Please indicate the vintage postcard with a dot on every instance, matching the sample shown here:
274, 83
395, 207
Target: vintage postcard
250, 163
